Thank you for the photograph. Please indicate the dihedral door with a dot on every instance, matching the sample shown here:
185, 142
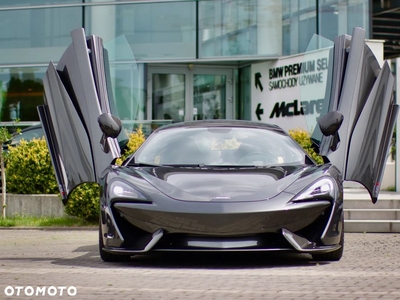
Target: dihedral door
363, 92
77, 92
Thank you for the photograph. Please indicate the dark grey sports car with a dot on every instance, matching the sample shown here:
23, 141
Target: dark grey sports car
219, 185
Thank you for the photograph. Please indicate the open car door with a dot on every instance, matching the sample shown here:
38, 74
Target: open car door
362, 92
77, 92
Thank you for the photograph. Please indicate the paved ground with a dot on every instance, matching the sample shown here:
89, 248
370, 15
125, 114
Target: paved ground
61, 260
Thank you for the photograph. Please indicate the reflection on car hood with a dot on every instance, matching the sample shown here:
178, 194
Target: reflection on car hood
221, 184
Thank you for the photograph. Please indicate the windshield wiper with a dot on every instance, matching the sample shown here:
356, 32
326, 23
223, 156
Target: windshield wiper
243, 167
141, 164
201, 166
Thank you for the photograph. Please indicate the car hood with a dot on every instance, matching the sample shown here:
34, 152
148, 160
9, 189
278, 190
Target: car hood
221, 184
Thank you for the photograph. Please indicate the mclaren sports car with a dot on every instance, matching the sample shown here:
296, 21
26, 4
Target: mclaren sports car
219, 185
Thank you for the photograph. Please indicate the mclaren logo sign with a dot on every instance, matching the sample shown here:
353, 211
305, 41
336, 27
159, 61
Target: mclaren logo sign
296, 108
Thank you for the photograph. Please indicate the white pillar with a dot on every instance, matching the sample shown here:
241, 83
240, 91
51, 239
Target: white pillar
342, 18
103, 21
377, 47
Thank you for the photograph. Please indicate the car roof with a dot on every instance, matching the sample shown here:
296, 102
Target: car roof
30, 131
33, 127
222, 123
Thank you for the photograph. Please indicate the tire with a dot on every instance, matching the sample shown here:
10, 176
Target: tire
110, 257
334, 255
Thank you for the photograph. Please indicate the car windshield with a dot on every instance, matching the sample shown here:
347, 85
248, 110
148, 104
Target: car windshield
27, 135
219, 146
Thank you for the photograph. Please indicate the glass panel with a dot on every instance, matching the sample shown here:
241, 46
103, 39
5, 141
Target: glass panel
338, 17
37, 35
358, 15
209, 93
168, 98
24, 3
323, 91
227, 28
21, 92
127, 81
299, 25
129, 94
307, 27
153, 30
328, 20
240, 27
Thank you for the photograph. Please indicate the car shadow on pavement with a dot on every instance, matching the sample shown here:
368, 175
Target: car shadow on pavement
200, 260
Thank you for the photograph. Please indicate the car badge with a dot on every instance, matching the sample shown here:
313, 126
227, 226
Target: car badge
221, 197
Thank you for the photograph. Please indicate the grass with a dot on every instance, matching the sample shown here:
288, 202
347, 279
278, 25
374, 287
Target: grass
26, 221
391, 189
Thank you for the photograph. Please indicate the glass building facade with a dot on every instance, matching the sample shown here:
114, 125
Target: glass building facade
169, 60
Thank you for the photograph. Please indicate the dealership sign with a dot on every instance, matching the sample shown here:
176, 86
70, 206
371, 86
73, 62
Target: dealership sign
290, 91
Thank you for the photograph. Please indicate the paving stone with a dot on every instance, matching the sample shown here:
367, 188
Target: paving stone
369, 269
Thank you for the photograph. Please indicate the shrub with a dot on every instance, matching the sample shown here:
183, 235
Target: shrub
136, 139
84, 202
393, 145
303, 138
29, 169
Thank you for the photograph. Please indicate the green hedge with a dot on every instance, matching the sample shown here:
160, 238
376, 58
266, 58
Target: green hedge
304, 139
136, 139
84, 202
29, 169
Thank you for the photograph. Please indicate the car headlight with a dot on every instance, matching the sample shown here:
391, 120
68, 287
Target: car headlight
321, 189
119, 189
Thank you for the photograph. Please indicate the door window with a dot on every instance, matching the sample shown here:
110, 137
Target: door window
209, 97
168, 103
181, 94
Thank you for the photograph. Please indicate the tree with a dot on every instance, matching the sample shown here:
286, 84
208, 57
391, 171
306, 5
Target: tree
5, 136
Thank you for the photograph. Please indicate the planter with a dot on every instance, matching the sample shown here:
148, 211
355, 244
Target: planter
34, 205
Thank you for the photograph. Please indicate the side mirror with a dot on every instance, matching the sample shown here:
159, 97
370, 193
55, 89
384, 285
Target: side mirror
111, 127
330, 123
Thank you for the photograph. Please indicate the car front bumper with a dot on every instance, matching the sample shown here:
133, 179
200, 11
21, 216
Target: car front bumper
131, 228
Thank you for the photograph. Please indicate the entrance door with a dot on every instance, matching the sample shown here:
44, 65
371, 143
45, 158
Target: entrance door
183, 94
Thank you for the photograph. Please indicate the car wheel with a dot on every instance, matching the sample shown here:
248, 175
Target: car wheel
334, 255
110, 257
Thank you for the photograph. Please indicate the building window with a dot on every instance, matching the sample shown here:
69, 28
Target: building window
36, 35
154, 31
21, 93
